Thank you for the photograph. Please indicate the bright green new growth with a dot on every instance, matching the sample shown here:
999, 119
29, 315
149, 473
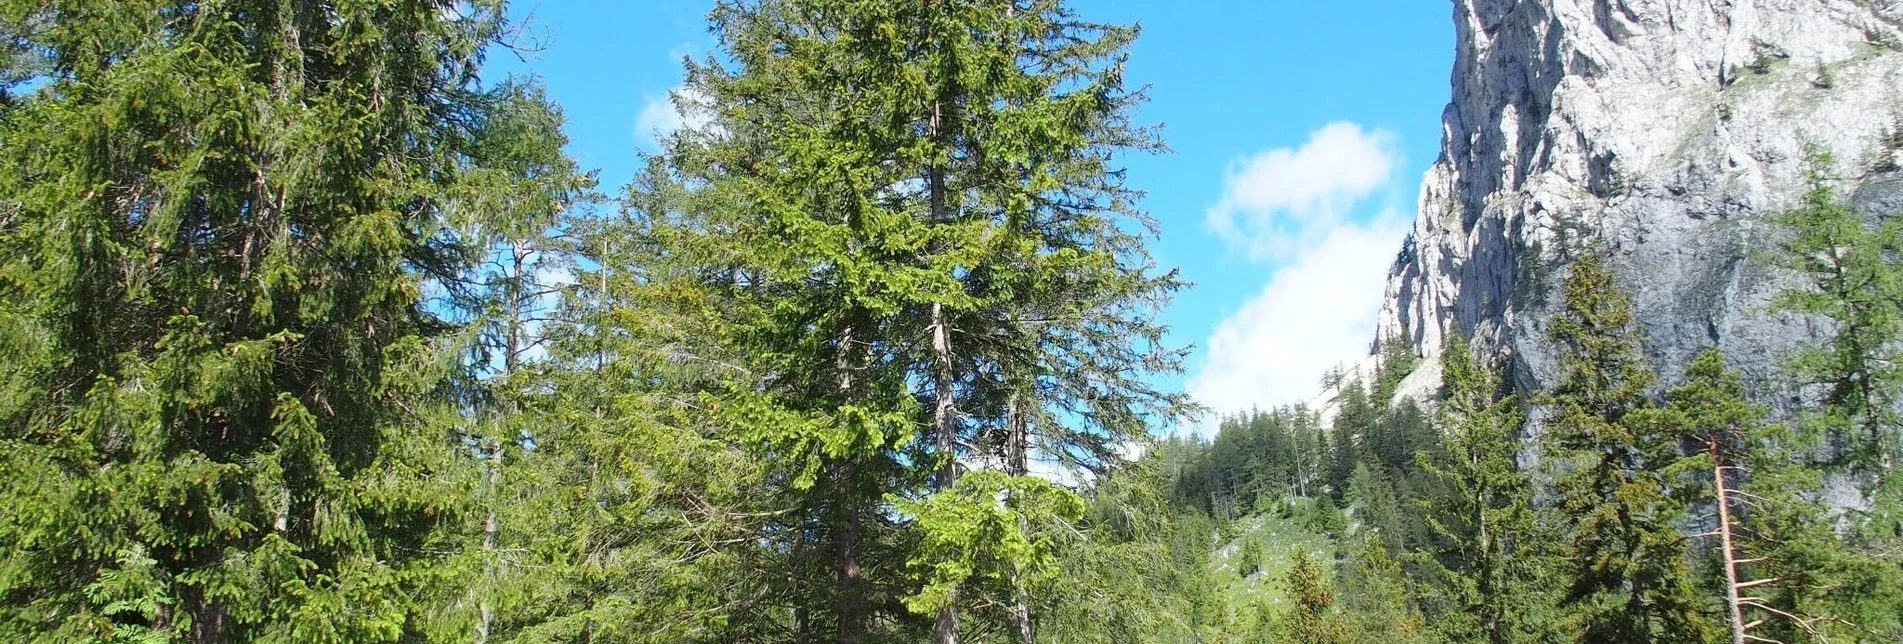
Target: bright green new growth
988, 530
910, 214
1843, 586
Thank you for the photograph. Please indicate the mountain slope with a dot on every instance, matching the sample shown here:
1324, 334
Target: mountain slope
1659, 131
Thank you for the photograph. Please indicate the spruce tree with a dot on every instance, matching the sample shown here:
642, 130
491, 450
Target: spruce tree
512, 202
911, 212
227, 412
1629, 578
1353, 421
1378, 598
1486, 555
1311, 620
1766, 537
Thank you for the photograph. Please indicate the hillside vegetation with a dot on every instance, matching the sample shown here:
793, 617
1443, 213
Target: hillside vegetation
313, 334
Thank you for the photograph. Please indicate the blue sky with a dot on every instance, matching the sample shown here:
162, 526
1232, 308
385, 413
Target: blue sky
1299, 128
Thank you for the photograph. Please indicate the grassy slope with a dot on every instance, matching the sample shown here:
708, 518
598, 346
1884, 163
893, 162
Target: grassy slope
1280, 538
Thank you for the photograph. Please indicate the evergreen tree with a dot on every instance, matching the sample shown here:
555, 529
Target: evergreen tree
1372, 498
1766, 539
1353, 421
1377, 597
511, 202
919, 196
1629, 576
1398, 358
1849, 263
1134, 570
226, 415
1311, 619
1486, 556
1249, 557
1854, 280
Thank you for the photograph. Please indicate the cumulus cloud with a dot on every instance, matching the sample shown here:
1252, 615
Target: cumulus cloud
663, 115
1314, 313
1281, 199
1324, 292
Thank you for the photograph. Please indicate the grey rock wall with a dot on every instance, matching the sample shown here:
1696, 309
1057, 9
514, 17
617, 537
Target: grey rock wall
1660, 131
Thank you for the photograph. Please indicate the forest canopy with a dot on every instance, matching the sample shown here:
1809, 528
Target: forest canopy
315, 332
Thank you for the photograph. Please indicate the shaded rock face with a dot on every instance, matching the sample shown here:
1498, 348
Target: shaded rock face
1660, 132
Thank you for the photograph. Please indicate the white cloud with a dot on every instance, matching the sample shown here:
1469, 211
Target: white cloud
1322, 298
1280, 200
663, 115
1316, 311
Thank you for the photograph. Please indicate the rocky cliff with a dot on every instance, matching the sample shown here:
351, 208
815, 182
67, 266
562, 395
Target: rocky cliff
1661, 131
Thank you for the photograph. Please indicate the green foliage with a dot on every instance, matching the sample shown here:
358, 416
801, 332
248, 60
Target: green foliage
1249, 557
910, 217
1398, 359
1378, 599
313, 336
1487, 560
1136, 570
1376, 507
1849, 265
222, 419
1354, 421
989, 529
1617, 476
1310, 620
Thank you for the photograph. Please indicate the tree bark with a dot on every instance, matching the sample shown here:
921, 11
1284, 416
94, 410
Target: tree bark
849, 603
511, 347
1728, 547
849, 599
945, 627
1017, 446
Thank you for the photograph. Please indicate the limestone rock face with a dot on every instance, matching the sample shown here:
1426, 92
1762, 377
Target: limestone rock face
1661, 132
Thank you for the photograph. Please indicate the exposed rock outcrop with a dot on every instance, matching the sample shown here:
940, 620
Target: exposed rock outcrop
1659, 131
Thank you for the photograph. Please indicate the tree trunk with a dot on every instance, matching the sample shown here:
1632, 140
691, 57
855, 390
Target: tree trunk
945, 627
511, 346
1017, 446
1726, 545
490, 526
849, 603
849, 599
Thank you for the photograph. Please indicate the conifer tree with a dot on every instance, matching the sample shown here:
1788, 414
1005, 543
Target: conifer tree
1854, 281
1372, 498
1486, 555
1629, 577
1377, 597
1398, 359
1764, 537
225, 416
511, 203
1849, 263
1311, 619
1352, 423
913, 210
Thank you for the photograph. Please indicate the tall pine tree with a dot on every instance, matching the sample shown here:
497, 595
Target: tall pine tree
1629, 578
221, 421
911, 211
1486, 554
